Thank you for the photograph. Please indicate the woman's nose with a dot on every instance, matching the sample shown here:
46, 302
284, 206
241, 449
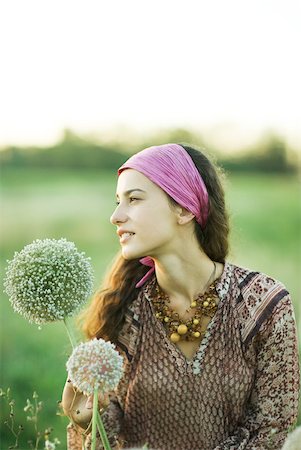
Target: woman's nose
118, 216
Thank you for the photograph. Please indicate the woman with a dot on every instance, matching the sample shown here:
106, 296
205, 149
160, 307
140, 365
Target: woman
210, 348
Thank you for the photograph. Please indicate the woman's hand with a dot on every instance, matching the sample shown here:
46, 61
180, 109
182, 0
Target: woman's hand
79, 407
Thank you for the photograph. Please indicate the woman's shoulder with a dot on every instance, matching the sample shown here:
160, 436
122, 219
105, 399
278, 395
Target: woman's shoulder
257, 296
252, 283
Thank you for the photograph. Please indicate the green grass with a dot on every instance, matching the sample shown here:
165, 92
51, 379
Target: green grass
266, 224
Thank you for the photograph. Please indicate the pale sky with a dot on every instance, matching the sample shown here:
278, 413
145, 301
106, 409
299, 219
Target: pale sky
229, 69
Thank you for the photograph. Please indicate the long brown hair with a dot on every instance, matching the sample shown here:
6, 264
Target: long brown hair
105, 315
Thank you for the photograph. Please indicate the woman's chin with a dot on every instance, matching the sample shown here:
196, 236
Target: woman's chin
129, 254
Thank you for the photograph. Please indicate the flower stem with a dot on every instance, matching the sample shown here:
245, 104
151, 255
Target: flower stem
94, 418
70, 332
102, 432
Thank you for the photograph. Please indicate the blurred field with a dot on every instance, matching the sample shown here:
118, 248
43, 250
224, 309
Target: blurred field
266, 224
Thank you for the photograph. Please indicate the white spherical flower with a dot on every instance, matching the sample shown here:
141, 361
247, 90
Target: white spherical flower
48, 280
95, 364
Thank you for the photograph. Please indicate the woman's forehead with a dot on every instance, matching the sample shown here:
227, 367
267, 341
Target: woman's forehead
130, 179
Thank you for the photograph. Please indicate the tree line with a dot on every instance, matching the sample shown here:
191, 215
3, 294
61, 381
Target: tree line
76, 152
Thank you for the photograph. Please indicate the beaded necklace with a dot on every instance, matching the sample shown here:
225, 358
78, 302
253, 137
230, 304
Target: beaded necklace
205, 305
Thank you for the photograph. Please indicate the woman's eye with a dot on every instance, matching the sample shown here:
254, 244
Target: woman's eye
131, 199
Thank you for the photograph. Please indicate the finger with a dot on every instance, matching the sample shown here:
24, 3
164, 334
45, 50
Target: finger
69, 386
103, 401
89, 404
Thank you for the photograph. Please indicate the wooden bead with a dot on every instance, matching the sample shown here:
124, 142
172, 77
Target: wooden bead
182, 329
175, 337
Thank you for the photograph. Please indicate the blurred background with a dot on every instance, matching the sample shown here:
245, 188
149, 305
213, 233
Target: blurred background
85, 84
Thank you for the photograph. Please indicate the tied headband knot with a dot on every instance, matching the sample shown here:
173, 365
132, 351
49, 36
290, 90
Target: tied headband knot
147, 261
171, 168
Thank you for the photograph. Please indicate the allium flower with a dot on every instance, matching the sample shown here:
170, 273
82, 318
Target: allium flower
48, 280
95, 365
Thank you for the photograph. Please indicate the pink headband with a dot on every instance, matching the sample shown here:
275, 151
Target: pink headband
172, 169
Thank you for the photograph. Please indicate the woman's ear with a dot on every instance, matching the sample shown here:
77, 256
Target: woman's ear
184, 216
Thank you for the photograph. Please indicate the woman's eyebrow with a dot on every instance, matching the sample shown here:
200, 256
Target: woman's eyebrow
129, 191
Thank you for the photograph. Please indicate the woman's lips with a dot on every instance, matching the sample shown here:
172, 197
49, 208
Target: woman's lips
125, 237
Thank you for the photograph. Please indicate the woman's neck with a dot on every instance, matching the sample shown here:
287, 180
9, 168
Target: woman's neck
185, 276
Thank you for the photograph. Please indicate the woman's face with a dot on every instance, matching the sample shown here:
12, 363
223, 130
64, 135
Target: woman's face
147, 225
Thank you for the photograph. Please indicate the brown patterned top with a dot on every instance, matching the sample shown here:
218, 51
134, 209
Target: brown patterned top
239, 391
